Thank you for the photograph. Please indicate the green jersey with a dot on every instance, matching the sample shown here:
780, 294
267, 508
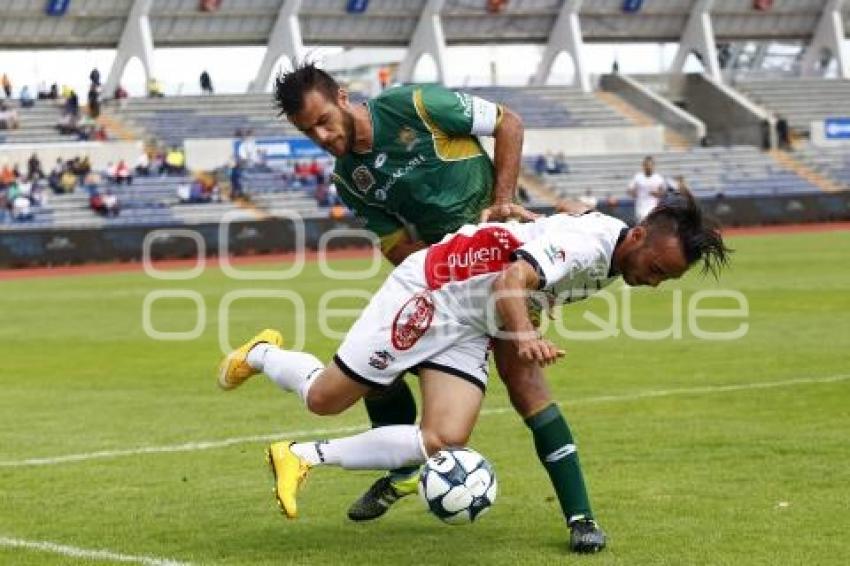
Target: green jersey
427, 172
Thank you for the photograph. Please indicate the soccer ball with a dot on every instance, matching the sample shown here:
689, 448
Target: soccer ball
458, 485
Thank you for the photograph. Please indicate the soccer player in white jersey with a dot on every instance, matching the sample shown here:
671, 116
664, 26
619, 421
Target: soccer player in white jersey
647, 187
436, 313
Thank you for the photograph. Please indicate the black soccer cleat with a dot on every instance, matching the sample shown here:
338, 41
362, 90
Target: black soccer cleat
378, 498
586, 536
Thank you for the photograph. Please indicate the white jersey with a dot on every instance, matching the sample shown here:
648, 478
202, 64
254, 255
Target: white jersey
436, 309
571, 253
644, 188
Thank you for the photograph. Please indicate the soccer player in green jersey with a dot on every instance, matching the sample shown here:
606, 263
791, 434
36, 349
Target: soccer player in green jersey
409, 163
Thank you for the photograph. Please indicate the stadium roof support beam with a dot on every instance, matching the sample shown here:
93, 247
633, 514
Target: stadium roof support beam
285, 40
829, 35
136, 41
428, 38
565, 36
698, 37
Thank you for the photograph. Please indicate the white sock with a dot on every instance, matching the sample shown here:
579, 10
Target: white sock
290, 370
382, 448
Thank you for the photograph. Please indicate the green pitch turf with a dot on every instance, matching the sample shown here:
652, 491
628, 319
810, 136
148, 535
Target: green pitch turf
696, 452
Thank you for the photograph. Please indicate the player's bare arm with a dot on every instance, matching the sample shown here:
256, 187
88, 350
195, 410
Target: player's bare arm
507, 153
568, 206
510, 289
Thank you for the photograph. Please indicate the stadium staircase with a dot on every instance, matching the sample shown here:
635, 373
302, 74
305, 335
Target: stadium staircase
788, 161
672, 140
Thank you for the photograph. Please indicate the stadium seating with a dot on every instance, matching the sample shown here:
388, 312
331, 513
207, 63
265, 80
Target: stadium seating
173, 119
800, 101
554, 107
732, 171
37, 124
152, 201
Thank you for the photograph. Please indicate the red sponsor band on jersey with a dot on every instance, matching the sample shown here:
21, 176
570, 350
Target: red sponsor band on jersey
464, 256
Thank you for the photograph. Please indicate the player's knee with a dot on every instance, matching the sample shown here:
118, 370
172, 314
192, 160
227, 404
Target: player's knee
323, 403
435, 440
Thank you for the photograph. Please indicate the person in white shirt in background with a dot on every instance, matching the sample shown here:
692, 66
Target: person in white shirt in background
646, 188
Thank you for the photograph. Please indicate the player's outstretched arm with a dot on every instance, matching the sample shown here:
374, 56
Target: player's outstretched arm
509, 290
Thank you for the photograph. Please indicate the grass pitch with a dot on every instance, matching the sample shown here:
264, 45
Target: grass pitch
695, 451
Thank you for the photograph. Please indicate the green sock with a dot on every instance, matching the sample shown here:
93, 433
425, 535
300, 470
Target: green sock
558, 454
393, 406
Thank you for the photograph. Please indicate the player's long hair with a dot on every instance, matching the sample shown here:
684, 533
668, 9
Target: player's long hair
290, 88
679, 213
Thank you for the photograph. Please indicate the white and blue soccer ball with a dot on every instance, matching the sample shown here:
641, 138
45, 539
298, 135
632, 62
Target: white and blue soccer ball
458, 485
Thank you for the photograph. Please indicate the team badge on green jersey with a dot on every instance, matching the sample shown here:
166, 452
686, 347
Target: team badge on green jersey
363, 178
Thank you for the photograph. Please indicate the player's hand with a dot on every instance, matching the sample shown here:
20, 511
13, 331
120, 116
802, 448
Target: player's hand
539, 351
500, 211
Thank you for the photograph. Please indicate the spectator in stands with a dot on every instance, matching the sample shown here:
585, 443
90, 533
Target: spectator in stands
561, 165
34, 171
783, 133
7, 176
540, 165
143, 164
67, 124
120, 95
646, 188
72, 104
8, 117
175, 162
158, 163
206, 83
249, 154
123, 174
53, 179
155, 88
94, 77
54, 92
100, 134
81, 166
236, 189
384, 77
7, 85
27, 100
67, 182
94, 101
86, 128
338, 212
105, 204
92, 182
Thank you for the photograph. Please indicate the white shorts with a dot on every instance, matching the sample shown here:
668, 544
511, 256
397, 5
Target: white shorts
407, 327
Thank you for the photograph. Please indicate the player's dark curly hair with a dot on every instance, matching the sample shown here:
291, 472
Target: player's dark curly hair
679, 213
290, 88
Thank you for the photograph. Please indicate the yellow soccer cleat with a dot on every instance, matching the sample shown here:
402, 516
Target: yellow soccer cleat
234, 369
289, 473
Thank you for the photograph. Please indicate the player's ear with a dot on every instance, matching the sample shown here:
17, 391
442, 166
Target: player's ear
638, 234
342, 97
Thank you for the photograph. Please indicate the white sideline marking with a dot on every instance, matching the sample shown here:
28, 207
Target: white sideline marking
74, 552
211, 444
187, 447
